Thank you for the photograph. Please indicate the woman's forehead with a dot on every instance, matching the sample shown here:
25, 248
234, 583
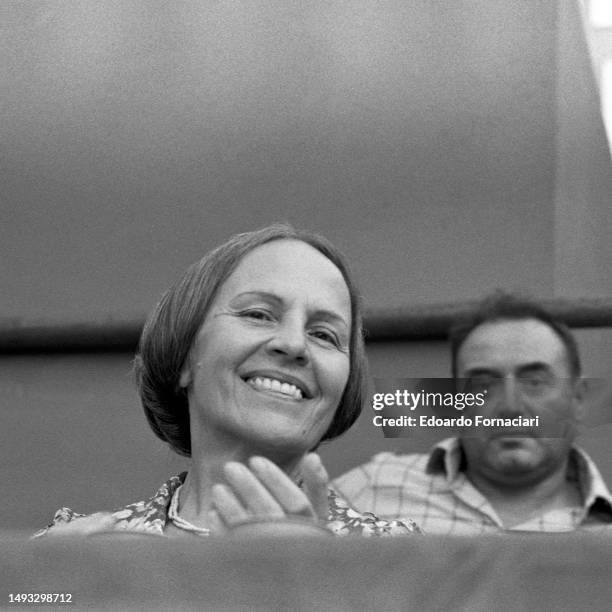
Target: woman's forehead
290, 268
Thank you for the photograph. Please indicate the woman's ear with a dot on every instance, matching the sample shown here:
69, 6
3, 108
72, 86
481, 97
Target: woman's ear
186, 377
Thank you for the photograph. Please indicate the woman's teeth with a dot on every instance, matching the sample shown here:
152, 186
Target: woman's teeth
271, 384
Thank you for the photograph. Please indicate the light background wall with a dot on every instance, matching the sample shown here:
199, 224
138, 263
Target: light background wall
448, 148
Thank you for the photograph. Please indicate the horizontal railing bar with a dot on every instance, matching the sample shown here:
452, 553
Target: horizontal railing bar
409, 323
95, 337
432, 322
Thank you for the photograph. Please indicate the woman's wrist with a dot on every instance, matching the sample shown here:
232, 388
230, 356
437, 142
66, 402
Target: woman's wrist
285, 526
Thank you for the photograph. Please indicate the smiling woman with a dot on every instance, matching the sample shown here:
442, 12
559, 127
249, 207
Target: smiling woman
251, 360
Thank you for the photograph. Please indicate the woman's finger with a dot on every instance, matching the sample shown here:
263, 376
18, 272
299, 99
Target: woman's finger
288, 495
215, 523
228, 506
316, 484
255, 496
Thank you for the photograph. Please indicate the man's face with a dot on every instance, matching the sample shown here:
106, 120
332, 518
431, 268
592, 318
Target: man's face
523, 366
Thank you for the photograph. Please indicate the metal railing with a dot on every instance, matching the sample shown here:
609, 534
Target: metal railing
423, 322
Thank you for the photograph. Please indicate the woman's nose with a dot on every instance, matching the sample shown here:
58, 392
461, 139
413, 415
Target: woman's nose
290, 340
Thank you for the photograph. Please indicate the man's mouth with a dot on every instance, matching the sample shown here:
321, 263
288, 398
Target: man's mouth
263, 383
515, 437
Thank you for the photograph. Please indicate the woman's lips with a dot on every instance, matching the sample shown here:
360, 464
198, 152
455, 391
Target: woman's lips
275, 377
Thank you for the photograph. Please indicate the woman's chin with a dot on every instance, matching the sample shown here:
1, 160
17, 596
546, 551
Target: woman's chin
274, 432
281, 445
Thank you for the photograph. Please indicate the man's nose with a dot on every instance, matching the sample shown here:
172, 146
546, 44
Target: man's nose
290, 340
511, 399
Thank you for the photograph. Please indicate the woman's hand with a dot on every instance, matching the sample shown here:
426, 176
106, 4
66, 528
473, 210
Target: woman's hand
261, 492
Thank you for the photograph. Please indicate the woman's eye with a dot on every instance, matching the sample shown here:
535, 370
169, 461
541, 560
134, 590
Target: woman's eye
326, 336
258, 315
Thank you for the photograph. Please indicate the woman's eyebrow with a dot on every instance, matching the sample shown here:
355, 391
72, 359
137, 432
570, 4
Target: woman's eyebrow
330, 316
262, 295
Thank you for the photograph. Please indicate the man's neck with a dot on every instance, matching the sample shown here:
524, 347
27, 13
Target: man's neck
516, 503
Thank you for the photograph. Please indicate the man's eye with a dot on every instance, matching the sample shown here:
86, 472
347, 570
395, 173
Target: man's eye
534, 380
484, 383
481, 381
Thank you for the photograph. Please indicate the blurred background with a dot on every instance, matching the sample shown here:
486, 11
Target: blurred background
448, 148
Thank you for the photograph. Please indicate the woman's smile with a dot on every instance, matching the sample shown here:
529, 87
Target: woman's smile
275, 387
286, 383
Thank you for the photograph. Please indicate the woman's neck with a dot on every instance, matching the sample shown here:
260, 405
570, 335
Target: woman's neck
207, 465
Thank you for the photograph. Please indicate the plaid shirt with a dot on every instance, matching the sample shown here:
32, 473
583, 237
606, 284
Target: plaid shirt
435, 492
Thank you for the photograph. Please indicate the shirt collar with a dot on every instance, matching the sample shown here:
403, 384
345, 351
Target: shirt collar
446, 458
150, 515
592, 485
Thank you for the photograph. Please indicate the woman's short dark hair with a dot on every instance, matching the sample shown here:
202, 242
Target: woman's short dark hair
503, 306
171, 328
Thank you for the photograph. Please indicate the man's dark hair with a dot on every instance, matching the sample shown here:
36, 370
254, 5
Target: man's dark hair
502, 306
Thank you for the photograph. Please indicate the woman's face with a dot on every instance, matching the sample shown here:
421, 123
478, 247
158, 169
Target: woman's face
270, 363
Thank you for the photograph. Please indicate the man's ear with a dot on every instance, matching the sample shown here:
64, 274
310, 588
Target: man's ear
580, 393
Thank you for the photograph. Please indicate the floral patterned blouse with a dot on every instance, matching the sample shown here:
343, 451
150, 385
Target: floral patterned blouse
151, 516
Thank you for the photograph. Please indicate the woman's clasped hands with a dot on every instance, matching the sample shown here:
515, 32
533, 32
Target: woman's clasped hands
259, 497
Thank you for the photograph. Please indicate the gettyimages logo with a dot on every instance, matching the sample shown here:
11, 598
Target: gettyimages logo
480, 407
